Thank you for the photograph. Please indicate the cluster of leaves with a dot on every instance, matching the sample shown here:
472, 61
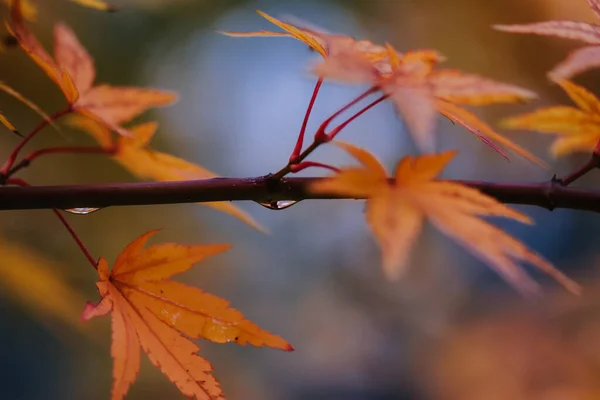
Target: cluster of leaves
162, 316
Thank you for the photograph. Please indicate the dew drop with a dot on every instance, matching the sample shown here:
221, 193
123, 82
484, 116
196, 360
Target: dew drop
280, 204
82, 210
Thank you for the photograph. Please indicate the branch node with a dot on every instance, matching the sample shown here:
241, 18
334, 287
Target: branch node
551, 204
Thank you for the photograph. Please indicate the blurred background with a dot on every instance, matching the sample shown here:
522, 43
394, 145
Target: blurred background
452, 329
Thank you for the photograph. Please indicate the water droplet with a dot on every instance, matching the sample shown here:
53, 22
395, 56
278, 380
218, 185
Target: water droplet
82, 210
280, 204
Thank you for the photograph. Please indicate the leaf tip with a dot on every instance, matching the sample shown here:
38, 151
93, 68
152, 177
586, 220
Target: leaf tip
92, 310
501, 27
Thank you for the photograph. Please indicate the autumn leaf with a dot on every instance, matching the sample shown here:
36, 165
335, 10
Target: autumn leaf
579, 60
34, 281
134, 154
97, 4
396, 213
28, 9
419, 92
324, 43
72, 69
10, 91
4, 121
577, 128
149, 310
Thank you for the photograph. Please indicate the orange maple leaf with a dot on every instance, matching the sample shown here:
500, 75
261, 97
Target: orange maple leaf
578, 129
72, 69
158, 314
28, 9
579, 60
419, 91
137, 157
326, 44
396, 213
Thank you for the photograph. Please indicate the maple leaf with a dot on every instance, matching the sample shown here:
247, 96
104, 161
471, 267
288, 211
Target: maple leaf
72, 69
7, 124
579, 60
326, 44
158, 314
409, 79
10, 91
134, 154
396, 212
578, 128
97, 4
28, 9
419, 92
34, 281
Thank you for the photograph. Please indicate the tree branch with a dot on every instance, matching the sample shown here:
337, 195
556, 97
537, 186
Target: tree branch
549, 195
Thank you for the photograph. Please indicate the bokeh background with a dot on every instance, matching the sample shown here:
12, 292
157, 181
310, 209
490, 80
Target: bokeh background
451, 329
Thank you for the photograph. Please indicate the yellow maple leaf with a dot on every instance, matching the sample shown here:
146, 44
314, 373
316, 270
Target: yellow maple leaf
579, 60
419, 92
34, 281
97, 4
324, 43
577, 128
396, 212
150, 311
27, 8
10, 91
30, 10
72, 69
134, 154
4, 121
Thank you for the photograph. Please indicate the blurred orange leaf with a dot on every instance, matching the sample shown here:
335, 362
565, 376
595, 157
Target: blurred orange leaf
97, 4
4, 121
578, 129
134, 154
419, 91
72, 69
322, 42
158, 314
579, 60
396, 212
28, 9
35, 282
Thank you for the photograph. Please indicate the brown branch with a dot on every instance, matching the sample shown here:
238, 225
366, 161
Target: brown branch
549, 195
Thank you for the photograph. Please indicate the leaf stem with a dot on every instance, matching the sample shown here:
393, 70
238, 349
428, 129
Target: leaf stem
15, 153
321, 137
332, 134
593, 163
307, 164
63, 220
300, 141
26, 161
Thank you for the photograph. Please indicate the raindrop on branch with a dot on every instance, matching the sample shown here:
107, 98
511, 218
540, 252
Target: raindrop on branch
280, 204
81, 210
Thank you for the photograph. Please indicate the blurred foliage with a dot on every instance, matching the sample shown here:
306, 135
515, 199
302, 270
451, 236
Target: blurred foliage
449, 330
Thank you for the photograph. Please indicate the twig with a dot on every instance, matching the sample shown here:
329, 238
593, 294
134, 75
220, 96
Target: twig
26, 161
322, 137
300, 141
261, 189
15, 153
21, 184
